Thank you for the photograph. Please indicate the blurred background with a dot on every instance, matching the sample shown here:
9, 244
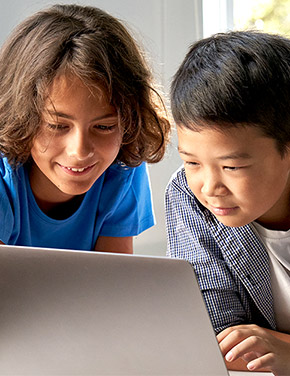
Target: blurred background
166, 29
269, 15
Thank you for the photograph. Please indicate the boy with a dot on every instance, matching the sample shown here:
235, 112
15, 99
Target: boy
227, 208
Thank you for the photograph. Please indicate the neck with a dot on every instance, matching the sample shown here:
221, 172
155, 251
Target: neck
49, 198
61, 210
278, 217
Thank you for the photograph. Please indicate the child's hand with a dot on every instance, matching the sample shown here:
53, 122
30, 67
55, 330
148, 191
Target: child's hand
257, 347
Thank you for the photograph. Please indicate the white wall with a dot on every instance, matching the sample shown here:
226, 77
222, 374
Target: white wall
217, 16
165, 28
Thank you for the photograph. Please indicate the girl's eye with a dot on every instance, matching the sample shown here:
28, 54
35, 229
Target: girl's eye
57, 127
105, 128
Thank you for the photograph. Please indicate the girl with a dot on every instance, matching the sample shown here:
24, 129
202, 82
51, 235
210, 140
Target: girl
78, 116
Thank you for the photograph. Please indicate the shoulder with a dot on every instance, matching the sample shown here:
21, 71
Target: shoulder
178, 179
184, 215
119, 176
178, 192
125, 205
13, 180
120, 181
9, 175
178, 183
5, 168
120, 171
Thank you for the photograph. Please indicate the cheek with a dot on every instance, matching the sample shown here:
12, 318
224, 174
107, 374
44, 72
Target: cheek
37, 150
193, 182
244, 187
44, 151
260, 192
43, 143
108, 145
116, 143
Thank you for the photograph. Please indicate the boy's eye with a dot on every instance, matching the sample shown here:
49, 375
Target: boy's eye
233, 168
191, 164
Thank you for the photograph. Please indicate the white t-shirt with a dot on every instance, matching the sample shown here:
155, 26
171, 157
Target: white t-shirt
278, 246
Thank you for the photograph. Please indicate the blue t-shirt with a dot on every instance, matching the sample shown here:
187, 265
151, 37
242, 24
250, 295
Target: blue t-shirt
118, 204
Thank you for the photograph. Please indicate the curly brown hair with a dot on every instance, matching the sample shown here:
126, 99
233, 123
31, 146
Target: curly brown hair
96, 47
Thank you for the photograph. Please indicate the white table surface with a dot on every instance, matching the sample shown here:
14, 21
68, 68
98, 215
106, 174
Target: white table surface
244, 373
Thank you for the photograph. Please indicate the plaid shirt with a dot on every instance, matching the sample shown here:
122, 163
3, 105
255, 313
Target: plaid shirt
231, 263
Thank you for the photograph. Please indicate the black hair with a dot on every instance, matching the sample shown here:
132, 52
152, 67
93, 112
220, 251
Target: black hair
236, 79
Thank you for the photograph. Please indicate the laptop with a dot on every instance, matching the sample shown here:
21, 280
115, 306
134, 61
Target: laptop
68, 312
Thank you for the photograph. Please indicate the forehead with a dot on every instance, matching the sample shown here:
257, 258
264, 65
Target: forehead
69, 97
66, 84
215, 141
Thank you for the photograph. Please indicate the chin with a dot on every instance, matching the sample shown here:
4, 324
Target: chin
75, 191
233, 222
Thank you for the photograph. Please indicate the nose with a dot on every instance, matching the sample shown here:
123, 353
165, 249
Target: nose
212, 185
80, 145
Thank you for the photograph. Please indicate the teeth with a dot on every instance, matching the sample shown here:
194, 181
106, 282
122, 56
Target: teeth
76, 169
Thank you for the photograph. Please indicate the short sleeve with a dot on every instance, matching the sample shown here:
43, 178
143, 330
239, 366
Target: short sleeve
127, 201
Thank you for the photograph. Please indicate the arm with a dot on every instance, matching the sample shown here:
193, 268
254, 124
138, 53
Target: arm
190, 237
114, 244
250, 347
125, 209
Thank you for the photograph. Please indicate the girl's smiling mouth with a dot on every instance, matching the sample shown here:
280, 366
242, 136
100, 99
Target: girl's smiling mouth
77, 170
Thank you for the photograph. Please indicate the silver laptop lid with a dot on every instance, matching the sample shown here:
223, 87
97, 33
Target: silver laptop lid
85, 313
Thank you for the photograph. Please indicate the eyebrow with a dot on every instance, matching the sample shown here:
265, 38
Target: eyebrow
232, 156
70, 117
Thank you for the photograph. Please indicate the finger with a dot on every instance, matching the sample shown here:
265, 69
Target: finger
249, 345
249, 356
266, 361
233, 338
223, 334
239, 334
231, 329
